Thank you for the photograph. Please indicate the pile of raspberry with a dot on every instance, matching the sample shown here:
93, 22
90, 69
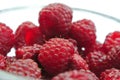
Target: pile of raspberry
59, 49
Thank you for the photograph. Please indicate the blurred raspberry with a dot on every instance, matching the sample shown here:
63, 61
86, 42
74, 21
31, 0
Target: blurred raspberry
28, 52
76, 75
114, 53
2, 62
112, 39
77, 62
55, 20
110, 74
10, 59
98, 61
55, 55
28, 34
25, 67
6, 39
84, 32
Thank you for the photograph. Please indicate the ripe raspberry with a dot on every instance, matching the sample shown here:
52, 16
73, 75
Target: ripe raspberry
98, 61
84, 32
2, 62
55, 54
6, 39
26, 52
111, 40
110, 74
34, 36
55, 19
24, 67
10, 59
77, 62
28, 34
76, 75
114, 53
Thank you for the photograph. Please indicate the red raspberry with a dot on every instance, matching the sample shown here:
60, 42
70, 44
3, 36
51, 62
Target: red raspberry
84, 32
2, 62
110, 74
34, 36
114, 53
25, 67
55, 19
6, 39
76, 75
26, 52
28, 34
111, 40
10, 59
77, 62
55, 55
98, 61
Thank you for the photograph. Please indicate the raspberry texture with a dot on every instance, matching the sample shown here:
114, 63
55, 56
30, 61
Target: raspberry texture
77, 62
112, 39
26, 52
55, 55
110, 74
84, 32
10, 59
2, 62
34, 36
95, 47
25, 67
55, 20
6, 39
114, 53
28, 34
76, 75
98, 61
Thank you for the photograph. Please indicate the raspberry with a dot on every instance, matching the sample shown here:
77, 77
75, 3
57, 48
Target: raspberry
98, 61
10, 59
24, 67
55, 55
77, 62
6, 39
111, 40
2, 62
84, 32
28, 34
76, 75
55, 19
26, 52
34, 36
114, 53
110, 74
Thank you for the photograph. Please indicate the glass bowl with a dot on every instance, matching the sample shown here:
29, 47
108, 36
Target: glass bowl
16, 15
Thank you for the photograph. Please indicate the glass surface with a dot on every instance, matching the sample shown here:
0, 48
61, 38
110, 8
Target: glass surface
15, 16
